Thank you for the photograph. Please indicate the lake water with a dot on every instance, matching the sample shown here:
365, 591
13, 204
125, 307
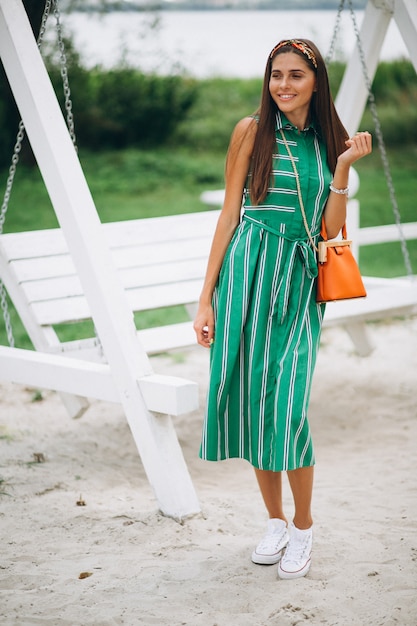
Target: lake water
207, 43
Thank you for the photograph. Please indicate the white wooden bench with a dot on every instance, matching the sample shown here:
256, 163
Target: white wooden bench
148, 399
387, 297
161, 263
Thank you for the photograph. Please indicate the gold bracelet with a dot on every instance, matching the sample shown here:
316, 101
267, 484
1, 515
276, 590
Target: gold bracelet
341, 192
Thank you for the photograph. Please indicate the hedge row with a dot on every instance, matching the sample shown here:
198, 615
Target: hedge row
123, 107
113, 109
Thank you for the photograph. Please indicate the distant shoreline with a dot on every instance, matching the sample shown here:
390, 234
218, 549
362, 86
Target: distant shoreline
197, 7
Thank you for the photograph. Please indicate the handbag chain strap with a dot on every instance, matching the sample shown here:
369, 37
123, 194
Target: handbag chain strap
300, 198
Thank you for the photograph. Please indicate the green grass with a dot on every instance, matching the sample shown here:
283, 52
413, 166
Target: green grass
125, 185
373, 193
386, 260
137, 184
134, 184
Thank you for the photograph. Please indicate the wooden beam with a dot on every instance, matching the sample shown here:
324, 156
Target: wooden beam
58, 162
386, 233
405, 15
353, 92
162, 394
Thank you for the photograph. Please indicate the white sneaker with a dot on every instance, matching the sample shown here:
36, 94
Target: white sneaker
269, 549
296, 560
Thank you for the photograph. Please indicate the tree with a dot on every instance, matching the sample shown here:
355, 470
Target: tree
9, 114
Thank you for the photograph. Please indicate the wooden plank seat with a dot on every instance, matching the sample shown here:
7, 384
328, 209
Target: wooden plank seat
161, 262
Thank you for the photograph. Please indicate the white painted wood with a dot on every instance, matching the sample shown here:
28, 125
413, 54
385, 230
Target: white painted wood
381, 303
352, 226
387, 300
162, 394
371, 235
213, 197
42, 338
169, 395
158, 284
386, 233
160, 262
141, 299
405, 15
63, 175
161, 456
216, 197
353, 92
75, 406
166, 338
51, 371
358, 332
38, 288
142, 256
131, 233
32, 296
155, 340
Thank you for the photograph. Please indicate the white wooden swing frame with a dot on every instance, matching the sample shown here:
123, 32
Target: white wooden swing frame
127, 377
128, 373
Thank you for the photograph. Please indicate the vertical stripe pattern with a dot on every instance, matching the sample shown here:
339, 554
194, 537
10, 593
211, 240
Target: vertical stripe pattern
267, 323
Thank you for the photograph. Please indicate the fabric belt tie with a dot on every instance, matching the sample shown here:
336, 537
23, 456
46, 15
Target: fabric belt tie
298, 247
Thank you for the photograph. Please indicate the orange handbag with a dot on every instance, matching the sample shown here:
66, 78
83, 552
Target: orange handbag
338, 276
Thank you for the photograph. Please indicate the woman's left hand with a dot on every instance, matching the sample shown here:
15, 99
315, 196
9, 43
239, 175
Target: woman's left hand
358, 146
335, 213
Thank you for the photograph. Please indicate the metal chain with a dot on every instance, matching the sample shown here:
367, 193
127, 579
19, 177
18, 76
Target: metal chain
6, 315
336, 29
381, 145
3, 211
45, 16
68, 105
20, 134
20, 137
9, 184
64, 75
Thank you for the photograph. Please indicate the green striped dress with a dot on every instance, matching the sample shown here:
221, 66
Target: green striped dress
267, 323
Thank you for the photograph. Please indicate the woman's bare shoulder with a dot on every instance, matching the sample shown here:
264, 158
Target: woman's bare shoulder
246, 125
244, 133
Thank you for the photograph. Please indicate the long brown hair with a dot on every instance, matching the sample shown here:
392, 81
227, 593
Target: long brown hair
322, 109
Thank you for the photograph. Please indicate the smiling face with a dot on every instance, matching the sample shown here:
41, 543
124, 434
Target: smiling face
291, 85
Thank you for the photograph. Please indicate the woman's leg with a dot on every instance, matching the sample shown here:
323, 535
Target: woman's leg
296, 560
301, 483
270, 485
270, 548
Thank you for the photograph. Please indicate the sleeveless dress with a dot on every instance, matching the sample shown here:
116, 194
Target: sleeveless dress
267, 323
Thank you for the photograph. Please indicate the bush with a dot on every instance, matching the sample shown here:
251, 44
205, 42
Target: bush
219, 105
335, 71
395, 81
138, 110
122, 107
397, 130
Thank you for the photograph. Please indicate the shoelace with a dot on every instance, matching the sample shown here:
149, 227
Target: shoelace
271, 540
296, 550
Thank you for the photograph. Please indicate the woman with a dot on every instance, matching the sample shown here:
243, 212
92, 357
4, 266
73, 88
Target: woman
257, 309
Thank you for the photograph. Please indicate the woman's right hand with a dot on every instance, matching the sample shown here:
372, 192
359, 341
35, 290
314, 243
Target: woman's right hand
204, 325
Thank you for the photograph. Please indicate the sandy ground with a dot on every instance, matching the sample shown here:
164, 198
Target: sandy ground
148, 569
